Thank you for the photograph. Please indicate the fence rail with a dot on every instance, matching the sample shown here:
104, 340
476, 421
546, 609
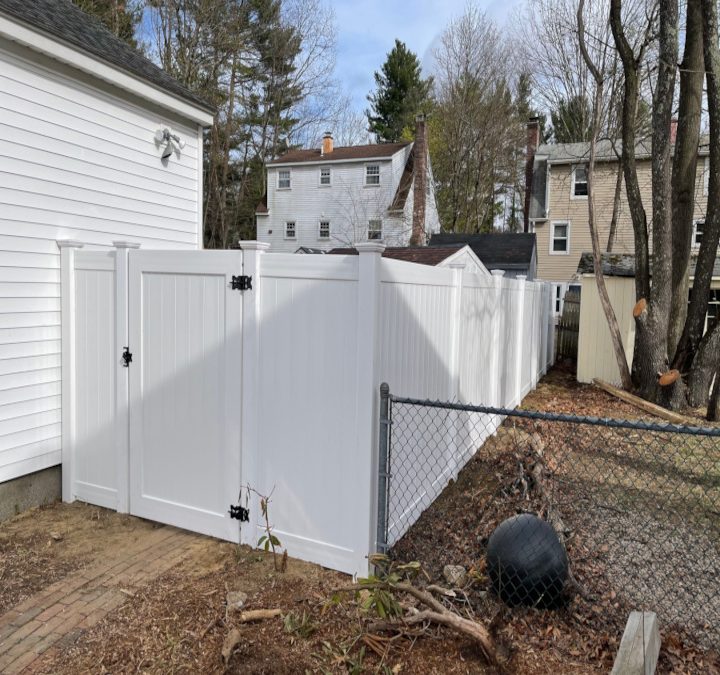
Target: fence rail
635, 505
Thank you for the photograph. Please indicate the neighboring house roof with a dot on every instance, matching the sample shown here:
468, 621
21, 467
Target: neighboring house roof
500, 250
62, 20
606, 151
406, 182
340, 154
310, 249
623, 265
423, 255
538, 193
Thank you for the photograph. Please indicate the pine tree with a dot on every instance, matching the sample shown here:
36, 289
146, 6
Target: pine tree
401, 93
571, 120
118, 16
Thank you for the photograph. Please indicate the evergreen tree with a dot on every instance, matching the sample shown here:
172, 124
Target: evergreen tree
571, 120
401, 93
118, 16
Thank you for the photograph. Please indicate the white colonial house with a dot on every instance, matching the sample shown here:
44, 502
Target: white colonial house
97, 145
339, 196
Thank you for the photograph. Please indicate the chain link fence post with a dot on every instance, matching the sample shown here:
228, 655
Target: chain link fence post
383, 468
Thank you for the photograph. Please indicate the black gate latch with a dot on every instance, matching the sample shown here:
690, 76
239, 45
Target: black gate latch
126, 357
241, 283
240, 513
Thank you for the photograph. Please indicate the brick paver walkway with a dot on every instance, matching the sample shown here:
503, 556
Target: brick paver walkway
56, 616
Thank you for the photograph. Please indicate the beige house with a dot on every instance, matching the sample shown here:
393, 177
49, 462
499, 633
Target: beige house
556, 206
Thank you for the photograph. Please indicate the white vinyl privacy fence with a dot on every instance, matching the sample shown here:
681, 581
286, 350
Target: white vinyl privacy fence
190, 375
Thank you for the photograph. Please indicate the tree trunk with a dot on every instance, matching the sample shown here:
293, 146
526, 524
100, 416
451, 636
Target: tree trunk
617, 201
684, 169
692, 352
651, 338
615, 334
631, 71
705, 364
713, 413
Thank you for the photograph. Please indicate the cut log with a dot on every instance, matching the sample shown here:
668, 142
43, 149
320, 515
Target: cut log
666, 379
642, 404
639, 308
640, 646
259, 615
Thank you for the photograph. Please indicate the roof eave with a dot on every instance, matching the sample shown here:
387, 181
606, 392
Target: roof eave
305, 162
65, 52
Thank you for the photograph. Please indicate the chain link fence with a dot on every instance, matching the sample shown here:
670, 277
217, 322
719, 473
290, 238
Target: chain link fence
626, 513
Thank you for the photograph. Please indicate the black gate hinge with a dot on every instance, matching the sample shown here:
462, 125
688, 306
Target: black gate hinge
241, 283
240, 513
126, 357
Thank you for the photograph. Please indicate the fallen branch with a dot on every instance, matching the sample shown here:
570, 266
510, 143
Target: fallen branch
642, 404
232, 639
259, 615
437, 613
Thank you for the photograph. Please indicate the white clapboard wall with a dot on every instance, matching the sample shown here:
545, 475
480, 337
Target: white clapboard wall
76, 162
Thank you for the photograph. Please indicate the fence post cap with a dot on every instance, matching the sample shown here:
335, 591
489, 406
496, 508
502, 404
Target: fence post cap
126, 244
253, 245
370, 247
69, 243
384, 390
498, 273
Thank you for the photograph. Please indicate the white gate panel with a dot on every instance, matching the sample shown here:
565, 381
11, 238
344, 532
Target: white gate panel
96, 357
185, 388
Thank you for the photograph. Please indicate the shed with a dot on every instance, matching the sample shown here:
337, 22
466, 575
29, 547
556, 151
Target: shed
80, 162
596, 358
514, 253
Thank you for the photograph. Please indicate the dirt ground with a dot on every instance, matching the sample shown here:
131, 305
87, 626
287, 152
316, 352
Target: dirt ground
177, 623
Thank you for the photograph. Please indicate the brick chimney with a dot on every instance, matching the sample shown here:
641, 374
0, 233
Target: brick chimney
327, 144
532, 142
420, 173
673, 130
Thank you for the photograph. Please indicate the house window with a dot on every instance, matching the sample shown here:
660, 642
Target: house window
324, 229
579, 181
325, 176
560, 241
375, 229
697, 235
290, 229
284, 179
713, 310
372, 174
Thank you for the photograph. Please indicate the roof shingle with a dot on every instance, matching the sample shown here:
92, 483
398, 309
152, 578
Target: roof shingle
422, 255
347, 153
62, 20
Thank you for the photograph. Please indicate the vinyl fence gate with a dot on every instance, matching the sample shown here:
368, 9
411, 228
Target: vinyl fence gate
178, 321
189, 376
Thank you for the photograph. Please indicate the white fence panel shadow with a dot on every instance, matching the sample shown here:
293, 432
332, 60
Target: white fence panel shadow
95, 467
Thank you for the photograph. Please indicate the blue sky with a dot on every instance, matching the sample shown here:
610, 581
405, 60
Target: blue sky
367, 32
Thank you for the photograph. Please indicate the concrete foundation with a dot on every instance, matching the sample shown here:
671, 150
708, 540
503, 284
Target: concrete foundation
35, 489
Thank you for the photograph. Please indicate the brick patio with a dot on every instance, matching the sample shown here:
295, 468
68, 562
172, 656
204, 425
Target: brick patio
56, 616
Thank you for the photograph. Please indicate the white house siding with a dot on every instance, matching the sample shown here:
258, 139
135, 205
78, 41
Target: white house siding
76, 162
347, 203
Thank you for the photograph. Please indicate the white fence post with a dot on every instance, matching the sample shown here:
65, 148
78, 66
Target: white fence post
67, 307
368, 383
122, 383
520, 341
252, 252
496, 367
